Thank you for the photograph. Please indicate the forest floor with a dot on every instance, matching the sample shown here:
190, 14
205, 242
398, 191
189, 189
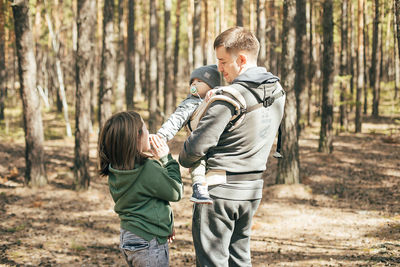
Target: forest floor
346, 212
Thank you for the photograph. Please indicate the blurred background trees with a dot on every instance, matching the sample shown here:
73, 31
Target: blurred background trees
88, 59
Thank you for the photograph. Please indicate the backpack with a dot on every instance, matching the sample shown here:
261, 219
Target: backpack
232, 95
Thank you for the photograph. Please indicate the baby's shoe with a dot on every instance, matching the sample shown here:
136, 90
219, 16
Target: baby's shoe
277, 155
200, 194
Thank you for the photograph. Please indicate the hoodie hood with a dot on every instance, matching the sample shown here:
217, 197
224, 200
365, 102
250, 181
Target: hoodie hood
258, 75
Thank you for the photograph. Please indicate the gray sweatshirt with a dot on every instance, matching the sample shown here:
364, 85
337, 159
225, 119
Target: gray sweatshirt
242, 151
180, 117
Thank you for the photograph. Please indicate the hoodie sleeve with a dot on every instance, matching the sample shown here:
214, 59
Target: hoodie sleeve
179, 118
165, 182
207, 134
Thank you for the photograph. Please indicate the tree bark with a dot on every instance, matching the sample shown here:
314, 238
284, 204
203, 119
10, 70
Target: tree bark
288, 167
168, 63
2, 60
108, 63
326, 133
300, 63
397, 14
130, 57
152, 90
190, 50
176, 51
261, 34
311, 64
272, 40
197, 51
343, 65
396, 50
60, 76
360, 65
35, 174
239, 13
84, 60
376, 61
120, 88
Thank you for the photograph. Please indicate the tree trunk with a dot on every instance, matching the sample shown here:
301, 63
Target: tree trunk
326, 133
168, 63
197, 53
300, 62
272, 25
152, 90
360, 65
120, 92
60, 76
396, 52
130, 57
2, 60
352, 55
397, 14
35, 174
176, 51
376, 60
108, 63
84, 60
311, 64
288, 167
343, 65
366, 62
239, 13
190, 50
261, 35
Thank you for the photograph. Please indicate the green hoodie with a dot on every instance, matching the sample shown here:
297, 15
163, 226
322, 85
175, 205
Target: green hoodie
142, 197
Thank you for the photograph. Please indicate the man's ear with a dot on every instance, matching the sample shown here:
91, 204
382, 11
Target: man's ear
242, 59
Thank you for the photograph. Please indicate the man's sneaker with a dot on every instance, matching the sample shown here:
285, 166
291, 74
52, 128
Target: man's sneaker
200, 194
277, 155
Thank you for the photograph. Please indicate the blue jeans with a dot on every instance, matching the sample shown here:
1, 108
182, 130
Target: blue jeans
141, 253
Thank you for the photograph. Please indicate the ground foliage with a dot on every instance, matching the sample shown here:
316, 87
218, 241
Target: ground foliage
346, 212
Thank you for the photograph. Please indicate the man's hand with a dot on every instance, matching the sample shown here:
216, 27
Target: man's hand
171, 237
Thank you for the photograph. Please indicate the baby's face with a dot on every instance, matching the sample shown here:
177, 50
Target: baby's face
202, 87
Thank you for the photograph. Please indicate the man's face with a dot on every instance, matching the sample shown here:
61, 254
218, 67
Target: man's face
228, 64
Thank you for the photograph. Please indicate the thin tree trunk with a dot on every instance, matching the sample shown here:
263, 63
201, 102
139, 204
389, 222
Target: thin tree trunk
239, 13
60, 76
343, 65
311, 63
326, 133
197, 51
84, 60
108, 63
120, 92
205, 33
366, 61
152, 90
397, 14
396, 53
261, 35
289, 166
376, 61
168, 63
272, 25
360, 65
3, 83
190, 36
300, 62
176, 51
35, 174
130, 57
352, 55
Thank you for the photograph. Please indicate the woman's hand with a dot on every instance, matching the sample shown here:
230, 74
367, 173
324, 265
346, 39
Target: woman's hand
159, 147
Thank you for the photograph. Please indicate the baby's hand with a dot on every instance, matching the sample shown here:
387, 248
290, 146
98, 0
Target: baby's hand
159, 147
210, 93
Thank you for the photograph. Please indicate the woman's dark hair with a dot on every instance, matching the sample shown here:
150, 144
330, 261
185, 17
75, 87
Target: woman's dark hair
119, 142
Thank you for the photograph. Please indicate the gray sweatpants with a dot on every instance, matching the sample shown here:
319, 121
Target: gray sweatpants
221, 232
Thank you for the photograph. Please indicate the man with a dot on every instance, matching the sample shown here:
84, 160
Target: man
221, 231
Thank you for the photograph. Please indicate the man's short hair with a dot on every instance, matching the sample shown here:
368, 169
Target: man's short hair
236, 39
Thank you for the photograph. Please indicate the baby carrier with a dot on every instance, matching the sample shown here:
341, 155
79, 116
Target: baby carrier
231, 94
